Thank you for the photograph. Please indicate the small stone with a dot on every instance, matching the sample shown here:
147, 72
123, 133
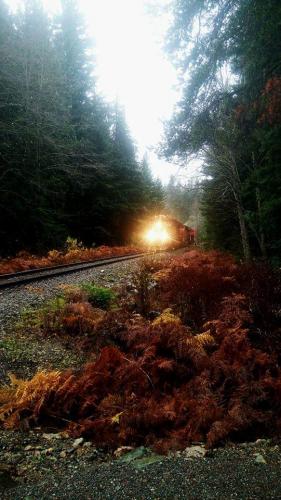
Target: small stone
122, 450
259, 459
262, 442
194, 452
63, 454
77, 442
52, 436
48, 451
64, 435
29, 448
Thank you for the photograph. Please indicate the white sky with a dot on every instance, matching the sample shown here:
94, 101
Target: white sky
131, 66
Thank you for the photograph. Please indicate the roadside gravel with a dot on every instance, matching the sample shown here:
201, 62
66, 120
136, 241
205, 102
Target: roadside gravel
227, 473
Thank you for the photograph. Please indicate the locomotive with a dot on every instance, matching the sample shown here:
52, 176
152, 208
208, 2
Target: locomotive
165, 232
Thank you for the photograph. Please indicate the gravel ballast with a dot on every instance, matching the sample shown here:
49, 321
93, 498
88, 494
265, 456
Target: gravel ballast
14, 300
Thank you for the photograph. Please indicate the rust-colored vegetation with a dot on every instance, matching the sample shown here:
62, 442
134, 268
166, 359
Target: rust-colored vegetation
205, 367
72, 254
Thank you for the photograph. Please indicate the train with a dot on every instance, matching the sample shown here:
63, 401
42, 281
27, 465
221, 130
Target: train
166, 232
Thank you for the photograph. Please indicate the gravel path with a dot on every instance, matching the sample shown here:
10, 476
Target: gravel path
228, 473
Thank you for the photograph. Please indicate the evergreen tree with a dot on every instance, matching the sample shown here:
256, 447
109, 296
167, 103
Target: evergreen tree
68, 164
234, 122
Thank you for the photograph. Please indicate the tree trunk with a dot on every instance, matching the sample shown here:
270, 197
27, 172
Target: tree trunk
261, 238
243, 229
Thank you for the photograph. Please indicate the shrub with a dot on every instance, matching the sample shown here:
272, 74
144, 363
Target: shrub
70, 314
196, 284
99, 296
73, 244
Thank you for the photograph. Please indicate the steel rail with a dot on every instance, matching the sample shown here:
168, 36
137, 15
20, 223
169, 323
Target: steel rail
22, 277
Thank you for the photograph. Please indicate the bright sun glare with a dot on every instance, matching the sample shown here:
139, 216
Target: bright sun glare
157, 234
131, 66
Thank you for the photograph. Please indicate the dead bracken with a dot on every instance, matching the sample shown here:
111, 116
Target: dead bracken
207, 368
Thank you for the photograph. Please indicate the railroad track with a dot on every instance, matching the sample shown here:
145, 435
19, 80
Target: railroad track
22, 277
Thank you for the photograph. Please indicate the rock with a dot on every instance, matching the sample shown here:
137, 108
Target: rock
29, 448
48, 451
52, 436
63, 454
70, 450
259, 442
262, 442
77, 442
64, 435
122, 451
259, 458
194, 452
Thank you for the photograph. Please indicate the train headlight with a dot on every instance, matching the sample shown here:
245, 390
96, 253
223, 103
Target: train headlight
157, 234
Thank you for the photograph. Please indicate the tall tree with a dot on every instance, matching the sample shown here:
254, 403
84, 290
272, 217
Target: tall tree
68, 165
228, 53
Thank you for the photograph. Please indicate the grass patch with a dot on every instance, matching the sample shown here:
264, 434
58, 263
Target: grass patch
98, 296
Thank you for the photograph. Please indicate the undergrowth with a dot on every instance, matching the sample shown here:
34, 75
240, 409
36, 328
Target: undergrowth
77, 312
100, 296
207, 368
72, 253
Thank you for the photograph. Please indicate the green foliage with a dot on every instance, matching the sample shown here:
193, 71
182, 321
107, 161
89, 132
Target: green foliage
98, 296
73, 244
228, 54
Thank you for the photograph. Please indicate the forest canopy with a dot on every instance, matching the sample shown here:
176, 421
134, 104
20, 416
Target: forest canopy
228, 57
68, 165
